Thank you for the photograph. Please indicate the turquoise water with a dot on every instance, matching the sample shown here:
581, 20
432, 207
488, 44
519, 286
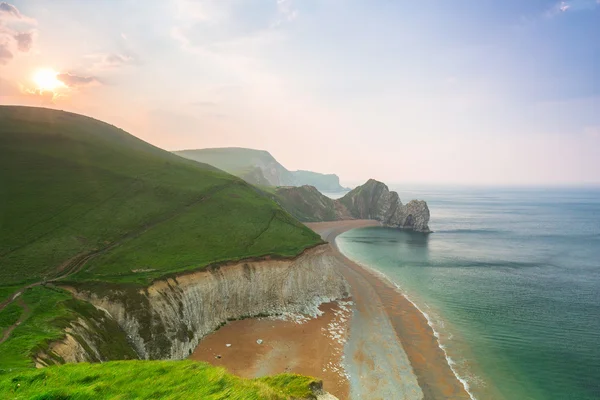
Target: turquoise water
511, 282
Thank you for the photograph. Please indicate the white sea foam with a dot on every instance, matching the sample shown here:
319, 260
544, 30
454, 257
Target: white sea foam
449, 360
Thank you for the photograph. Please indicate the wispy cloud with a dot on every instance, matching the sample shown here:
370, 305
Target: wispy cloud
24, 41
570, 6
111, 60
10, 12
287, 11
12, 40
222, 25
72, 80
5, 54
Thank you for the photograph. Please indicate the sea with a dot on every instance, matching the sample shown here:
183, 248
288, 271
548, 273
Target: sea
509, 281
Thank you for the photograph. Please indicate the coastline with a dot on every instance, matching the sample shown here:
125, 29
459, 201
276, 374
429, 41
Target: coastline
377, 346
428, 359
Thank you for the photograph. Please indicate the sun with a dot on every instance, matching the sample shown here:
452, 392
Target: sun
46, 80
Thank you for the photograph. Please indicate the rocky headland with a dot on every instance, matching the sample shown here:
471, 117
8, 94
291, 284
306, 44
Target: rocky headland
373, 200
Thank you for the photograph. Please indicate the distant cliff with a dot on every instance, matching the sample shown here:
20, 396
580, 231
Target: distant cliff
373, 200
259, 167
323, 182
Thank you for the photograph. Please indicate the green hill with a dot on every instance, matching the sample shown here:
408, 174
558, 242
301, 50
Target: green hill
81, 197
259, 167
151, 380
85, 201
244, 163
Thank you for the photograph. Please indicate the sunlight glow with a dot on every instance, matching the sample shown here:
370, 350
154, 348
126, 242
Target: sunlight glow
46, 80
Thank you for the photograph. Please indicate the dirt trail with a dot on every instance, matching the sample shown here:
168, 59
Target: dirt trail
78, 262
24, 315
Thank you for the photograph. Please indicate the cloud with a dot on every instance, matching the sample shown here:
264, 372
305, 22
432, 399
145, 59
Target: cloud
45, 97
570, 6
13, 41
111, 60
222, 25
287, 11
10, 12
77, 81
118, 59
5, 54
24, 41
17, 93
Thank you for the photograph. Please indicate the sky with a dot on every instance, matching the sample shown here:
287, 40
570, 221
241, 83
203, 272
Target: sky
452, 92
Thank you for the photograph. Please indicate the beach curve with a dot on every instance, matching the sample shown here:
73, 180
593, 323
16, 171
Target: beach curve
435, 377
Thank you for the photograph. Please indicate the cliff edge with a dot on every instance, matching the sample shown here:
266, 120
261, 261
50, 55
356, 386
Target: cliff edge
373, 200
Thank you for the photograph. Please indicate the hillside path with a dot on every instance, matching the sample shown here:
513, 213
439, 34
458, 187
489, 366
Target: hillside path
24, 315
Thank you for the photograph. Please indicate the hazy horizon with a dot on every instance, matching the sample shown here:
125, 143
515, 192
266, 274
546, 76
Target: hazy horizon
432, 93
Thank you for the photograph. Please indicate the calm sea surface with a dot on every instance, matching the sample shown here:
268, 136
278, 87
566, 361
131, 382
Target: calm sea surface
510, 280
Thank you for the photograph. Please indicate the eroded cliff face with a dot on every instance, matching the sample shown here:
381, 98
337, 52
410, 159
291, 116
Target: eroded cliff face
167, 319
93, 336
373, 200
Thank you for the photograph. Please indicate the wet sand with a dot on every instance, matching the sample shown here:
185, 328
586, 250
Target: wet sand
434, 376
305, 346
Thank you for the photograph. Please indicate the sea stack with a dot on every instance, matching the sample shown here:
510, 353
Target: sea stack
374, 200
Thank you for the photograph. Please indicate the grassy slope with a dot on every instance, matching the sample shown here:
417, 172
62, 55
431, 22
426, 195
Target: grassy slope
71, 185
9, 316
148, 380
306, 203
238, 161
52, 310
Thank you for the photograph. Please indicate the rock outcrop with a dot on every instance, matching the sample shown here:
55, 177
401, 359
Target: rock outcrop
373, 200
93, 336
167, 319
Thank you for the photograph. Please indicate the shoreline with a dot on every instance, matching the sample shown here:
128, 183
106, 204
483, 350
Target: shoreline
379, 345
428, 358
288, 344
449, 360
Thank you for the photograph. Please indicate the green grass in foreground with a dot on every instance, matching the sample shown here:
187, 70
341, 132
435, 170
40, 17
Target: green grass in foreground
148, 380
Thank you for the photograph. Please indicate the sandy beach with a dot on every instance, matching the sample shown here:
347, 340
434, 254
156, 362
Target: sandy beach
435, 378
379, 346
304, 346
